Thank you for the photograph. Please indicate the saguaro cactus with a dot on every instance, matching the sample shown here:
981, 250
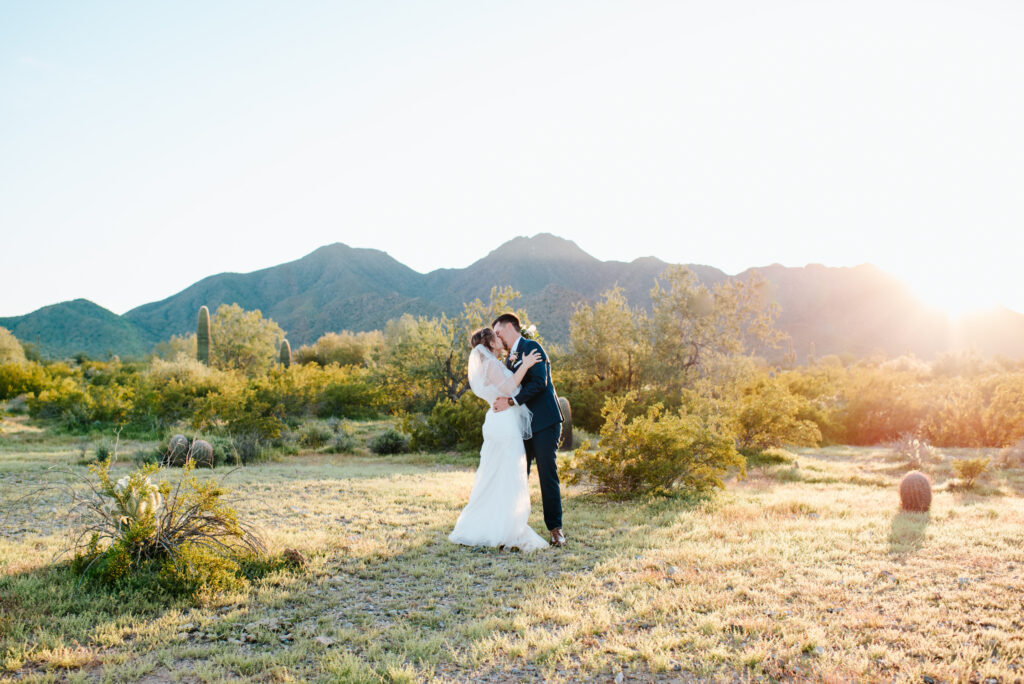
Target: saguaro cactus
203, 336
286, 353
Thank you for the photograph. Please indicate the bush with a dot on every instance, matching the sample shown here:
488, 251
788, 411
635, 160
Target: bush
389, 442
970, 469
187, 534
450, 425
344, 349
172, 391
771, 456
770, 415
1012, 456
351, 395
654, 452
343, 441
245, 448
314, 435
21, 378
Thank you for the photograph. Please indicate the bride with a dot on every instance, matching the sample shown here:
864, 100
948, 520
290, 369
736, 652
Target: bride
499, 504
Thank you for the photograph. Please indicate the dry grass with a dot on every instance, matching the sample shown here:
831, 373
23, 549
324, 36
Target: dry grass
797, 572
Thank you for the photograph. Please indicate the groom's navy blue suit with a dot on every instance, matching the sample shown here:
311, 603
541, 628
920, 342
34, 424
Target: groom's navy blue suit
538, 394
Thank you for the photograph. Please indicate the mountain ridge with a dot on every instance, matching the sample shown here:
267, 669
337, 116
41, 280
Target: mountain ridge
857, 310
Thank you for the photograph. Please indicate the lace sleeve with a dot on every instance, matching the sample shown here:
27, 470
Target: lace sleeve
488, 378
501, 379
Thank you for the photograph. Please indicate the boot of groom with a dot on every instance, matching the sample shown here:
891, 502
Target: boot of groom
538, 394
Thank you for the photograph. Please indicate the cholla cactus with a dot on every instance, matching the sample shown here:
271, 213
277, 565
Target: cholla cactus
203, 335
286, 353
134, 499
916, 451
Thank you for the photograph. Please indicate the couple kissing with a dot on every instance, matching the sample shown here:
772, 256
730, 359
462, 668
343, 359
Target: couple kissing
522, 426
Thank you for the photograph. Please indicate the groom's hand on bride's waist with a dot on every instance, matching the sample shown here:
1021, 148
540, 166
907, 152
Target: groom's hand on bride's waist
502, 403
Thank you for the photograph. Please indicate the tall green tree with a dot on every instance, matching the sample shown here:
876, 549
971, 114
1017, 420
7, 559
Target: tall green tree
690, 324
244, 340
423, 360
608, 344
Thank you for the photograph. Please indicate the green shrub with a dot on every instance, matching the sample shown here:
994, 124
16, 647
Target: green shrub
449, 425
389, 442
172, 391
245, 448
970, 469
352, 395
343, 441
771, 456
654, 452
185, 535
770, 415
315, 435
21, 378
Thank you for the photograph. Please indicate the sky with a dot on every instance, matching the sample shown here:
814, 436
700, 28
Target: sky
146, 145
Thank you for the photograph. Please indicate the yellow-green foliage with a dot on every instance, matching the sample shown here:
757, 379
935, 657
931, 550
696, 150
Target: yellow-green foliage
770, 415
171, 391
970, 469
80, 405
243, 340
22, 378
449, 425
423, 360
186, 535
656, 451
345, 349
615, 348
956, 401
11, 350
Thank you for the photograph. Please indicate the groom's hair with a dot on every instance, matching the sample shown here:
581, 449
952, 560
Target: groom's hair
482, 336
509, 318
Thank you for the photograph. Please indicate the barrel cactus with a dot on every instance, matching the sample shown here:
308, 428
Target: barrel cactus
286, 353
177, 450
566, 409
915, 492
203, 336
202, 453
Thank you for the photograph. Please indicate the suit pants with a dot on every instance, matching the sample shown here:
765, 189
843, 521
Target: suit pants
541, 448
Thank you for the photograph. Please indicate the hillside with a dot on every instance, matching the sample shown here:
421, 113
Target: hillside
65, 329
858, 311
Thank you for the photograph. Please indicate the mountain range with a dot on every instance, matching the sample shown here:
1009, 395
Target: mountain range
825, 310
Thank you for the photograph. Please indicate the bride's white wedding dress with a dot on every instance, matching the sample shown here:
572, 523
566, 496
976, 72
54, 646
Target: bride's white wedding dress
499, 505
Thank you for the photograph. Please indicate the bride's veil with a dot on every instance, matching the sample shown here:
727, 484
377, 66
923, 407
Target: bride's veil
489, 379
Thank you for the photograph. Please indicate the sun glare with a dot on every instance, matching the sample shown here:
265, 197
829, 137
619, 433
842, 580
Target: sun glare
956, 296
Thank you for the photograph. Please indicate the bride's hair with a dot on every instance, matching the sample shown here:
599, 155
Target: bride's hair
482, 336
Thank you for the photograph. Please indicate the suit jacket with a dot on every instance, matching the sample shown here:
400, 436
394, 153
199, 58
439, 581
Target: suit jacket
536, 390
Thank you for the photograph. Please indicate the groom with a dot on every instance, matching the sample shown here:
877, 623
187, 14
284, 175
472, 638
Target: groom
538, 394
